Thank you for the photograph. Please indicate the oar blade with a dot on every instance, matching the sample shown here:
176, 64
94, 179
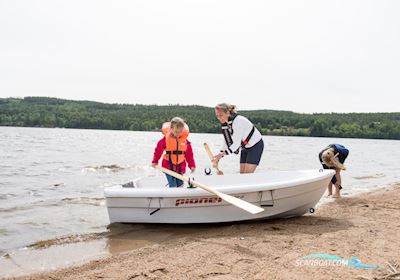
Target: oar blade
249, 207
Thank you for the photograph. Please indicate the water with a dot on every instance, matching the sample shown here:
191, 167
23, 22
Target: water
52, 180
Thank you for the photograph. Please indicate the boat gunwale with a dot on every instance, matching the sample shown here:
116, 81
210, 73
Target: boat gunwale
119, 192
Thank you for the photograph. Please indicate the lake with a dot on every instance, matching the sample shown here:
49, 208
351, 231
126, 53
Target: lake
52, 180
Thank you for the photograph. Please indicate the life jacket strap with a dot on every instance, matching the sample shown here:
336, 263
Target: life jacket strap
246, 141
174, 152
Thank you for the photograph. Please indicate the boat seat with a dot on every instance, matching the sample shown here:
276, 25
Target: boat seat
132, 184
129, 185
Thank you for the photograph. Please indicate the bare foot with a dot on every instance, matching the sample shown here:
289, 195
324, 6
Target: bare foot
329, 195
336, 195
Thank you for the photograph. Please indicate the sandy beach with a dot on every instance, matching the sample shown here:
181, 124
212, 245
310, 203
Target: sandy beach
365, 226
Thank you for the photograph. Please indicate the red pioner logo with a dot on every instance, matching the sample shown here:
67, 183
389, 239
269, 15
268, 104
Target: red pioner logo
197, 200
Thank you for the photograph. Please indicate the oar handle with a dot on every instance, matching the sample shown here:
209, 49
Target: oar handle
211, 156
208, 150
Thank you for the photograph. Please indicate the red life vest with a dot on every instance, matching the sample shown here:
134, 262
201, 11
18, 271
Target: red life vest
175, 147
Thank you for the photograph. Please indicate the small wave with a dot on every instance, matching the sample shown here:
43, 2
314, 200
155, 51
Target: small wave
35, 193
106, 168
4, 255
4, 232
56, 185
140, 169
56, 203
375, 176
15, 208
84, 200
69, 239
147, 169
36, 175
6, 196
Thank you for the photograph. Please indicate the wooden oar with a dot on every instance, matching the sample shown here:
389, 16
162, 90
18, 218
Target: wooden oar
211, 156
251, 208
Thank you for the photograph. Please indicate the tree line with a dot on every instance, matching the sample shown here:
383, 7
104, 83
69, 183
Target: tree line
54, 112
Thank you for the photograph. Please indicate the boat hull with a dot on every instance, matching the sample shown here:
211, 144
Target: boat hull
197, 206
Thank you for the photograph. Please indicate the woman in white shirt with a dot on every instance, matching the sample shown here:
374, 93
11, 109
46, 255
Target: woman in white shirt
239, 134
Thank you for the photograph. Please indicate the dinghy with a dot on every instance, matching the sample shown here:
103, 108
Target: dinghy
279, 194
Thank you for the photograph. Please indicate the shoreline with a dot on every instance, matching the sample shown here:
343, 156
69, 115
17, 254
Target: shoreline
198, 132
365, 226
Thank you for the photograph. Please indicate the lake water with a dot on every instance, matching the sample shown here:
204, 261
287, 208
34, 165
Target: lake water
52, 180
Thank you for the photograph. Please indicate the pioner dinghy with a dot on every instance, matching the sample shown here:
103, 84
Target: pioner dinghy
233, 197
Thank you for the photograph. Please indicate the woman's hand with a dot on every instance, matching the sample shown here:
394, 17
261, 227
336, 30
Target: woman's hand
193, 169
217, 157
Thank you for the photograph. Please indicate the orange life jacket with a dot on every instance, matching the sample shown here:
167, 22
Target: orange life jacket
175, 148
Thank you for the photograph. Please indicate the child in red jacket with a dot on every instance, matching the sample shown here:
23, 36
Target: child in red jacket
178, 150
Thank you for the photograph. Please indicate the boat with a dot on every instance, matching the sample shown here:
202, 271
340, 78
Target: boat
281, 194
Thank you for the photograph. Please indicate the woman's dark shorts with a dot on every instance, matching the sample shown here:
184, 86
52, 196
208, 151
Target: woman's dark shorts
253, 154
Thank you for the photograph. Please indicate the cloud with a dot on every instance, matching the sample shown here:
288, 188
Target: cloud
312, 56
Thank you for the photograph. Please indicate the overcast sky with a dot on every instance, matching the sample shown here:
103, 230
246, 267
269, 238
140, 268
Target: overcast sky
304, 56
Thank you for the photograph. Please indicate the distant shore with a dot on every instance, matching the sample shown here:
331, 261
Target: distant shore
365, 226
53, 112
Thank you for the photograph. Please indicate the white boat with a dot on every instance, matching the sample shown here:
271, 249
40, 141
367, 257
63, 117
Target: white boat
281, 194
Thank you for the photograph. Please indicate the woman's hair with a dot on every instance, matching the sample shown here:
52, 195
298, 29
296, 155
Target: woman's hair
331, 160
226, 107
177, 122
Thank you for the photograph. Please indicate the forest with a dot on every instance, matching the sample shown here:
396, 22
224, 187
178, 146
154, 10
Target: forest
54, 112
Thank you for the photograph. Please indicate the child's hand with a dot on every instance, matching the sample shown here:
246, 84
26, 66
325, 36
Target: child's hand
337, 155
193, 169
153, 165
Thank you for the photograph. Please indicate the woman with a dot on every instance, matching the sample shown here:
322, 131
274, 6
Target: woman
239, 133
333, 157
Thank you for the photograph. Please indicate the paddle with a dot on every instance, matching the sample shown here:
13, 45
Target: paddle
251, 208
210, 155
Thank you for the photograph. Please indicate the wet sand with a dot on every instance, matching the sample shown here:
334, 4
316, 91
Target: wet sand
365, 226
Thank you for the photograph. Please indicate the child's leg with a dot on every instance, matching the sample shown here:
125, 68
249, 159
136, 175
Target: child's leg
338, 179
338, 183
337, 191
330, 188
171, 181
179, 183
332, 182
